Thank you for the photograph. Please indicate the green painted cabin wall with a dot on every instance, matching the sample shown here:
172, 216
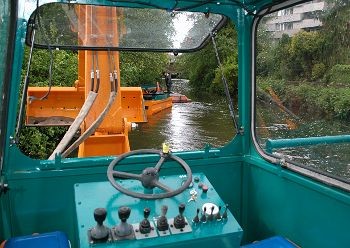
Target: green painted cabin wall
280, 202
44, 201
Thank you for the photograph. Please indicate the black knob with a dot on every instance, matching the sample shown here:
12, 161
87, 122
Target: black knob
181, 208
146, 212
124, 213
196, 218
179, 221
224, 215
162, 222
100, 215
211, 216
164, 210
218, 215
145, 225
204, 217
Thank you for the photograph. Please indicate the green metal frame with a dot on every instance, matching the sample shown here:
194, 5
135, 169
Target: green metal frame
281, 143
265, 198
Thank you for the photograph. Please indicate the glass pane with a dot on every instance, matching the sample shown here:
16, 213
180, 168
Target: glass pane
303, 79
74, 25
198, 118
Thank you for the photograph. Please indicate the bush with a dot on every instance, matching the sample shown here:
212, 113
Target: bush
318, 71
339, 75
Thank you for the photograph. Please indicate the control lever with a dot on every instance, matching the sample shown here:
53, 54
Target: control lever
196, 218
145, 225
218, 215
211, 215
162, 222
224, 215
123, 229
100, 232
179, 221
204, 217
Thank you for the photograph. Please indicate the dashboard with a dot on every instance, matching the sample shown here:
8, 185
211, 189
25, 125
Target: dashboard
197, 216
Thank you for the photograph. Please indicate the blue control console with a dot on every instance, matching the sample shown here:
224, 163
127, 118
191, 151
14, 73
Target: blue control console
197, 216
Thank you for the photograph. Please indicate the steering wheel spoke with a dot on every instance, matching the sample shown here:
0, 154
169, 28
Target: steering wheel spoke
126, 175
159, 164
163, 186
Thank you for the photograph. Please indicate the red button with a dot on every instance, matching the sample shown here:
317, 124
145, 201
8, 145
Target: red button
205, 188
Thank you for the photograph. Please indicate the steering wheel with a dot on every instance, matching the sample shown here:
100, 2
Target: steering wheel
149, 176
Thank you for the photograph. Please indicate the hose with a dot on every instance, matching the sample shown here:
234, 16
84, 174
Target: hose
93, 126
113, 77
75, 125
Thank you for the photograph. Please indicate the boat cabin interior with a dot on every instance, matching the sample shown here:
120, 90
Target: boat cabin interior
270, 184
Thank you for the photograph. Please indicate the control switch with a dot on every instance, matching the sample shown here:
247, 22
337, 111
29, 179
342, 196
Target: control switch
99, 233
124, 230
180, 224
145, 229
162, 222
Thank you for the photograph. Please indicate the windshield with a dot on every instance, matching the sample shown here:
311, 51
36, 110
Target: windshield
75, 26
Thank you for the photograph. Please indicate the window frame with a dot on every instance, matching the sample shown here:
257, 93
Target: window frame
315, 174
7, 74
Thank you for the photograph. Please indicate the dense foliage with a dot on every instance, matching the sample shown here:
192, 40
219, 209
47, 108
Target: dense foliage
140, 68
40, 142
310, 68
201, 67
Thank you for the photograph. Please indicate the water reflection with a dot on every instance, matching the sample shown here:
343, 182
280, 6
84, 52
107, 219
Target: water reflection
187, 126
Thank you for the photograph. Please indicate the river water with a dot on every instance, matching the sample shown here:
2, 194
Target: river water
186, 126
193, 125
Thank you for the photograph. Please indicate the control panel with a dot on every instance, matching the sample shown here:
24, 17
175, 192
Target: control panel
197, 216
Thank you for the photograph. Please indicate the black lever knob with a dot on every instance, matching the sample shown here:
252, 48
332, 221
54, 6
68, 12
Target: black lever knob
224, 215
124, 213
145, 225
211, 216
164, 210
218, 215
196, 218
181, 208
100, 232
179, 221
146, 212
162, 222
204, 217
100, 215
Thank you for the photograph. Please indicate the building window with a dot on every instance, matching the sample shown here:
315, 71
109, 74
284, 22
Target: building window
285, 12
278, 26
287, 26
311, 15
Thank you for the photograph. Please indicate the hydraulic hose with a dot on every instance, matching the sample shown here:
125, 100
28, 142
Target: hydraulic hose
75, 125
93, 126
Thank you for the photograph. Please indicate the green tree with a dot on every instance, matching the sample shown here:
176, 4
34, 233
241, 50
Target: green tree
141, 67
204, 75
305, 50
335, 32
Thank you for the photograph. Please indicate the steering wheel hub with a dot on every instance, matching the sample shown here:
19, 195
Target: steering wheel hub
148, 177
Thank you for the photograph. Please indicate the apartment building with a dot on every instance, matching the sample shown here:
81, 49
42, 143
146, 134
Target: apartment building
292, 20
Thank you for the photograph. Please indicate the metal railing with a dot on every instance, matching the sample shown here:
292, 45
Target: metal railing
281, 143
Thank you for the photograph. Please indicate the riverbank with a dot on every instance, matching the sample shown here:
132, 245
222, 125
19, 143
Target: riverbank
330, 100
